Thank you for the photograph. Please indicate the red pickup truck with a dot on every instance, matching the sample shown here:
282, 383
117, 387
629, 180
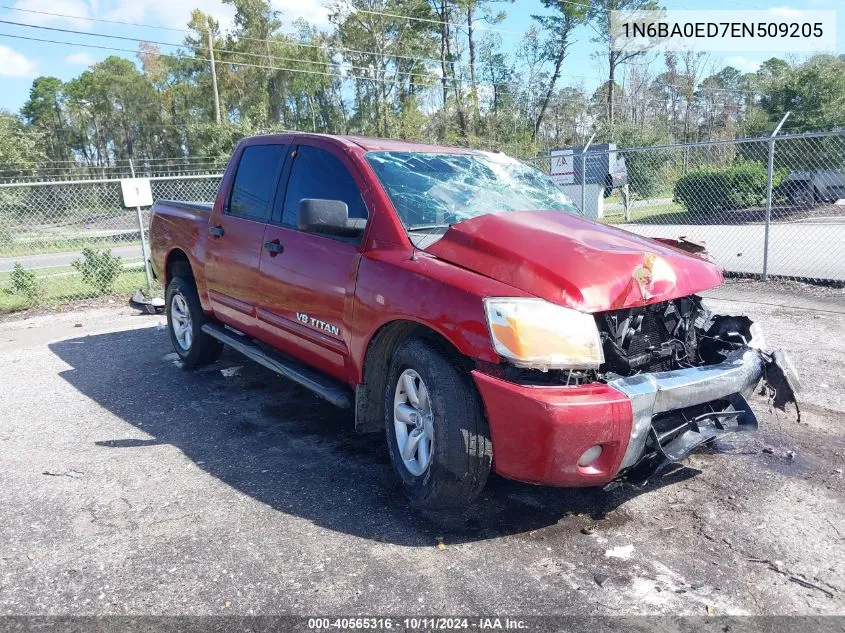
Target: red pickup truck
455, 299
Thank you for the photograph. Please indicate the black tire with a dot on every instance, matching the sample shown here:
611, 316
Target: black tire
203, 349
461, 448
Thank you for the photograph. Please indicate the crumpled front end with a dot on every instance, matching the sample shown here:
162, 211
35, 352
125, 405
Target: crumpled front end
676, 412
675, 377
688, 374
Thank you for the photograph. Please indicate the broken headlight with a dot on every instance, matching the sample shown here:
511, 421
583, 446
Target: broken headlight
537, 334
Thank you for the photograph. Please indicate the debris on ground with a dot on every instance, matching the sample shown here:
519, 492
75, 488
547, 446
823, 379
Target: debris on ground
440, 544
146, 305
623, 551
587, 530
228, 372
601, 579
73, 474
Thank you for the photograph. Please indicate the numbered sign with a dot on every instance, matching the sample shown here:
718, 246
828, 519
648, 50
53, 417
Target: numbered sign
136, 192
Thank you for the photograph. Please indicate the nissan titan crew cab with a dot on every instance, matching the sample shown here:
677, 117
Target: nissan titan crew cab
456, 300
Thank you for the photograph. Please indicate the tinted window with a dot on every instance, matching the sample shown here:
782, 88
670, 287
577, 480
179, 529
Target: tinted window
319, 174
253, 190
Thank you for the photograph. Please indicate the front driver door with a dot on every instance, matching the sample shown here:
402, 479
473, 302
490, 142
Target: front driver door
307, 281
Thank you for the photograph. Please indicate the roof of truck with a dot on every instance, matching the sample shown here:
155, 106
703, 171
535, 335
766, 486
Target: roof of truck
383, 144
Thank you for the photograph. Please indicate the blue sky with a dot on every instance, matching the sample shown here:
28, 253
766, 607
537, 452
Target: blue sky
21, 60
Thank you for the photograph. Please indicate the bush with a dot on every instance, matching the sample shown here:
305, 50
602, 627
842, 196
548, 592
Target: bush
739, 185
647, 171
24, 282
99, 269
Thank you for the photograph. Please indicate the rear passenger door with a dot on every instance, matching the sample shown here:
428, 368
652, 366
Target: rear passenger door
236, 235
307, 281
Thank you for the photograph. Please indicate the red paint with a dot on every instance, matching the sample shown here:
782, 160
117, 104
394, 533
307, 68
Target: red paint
538, 432
571, 261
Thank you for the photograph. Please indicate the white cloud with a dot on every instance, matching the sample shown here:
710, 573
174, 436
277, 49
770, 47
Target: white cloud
67, 7
13, 64
312, 10
173, 13
80, 59
742, 63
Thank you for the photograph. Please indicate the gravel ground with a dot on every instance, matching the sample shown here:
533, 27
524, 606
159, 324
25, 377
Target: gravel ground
131, 486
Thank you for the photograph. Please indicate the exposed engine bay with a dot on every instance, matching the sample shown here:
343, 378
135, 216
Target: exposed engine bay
721, 355
670, 335
683, 334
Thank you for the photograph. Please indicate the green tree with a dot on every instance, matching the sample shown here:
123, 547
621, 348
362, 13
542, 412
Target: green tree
21, 147
600, 13
45, 113
559, 27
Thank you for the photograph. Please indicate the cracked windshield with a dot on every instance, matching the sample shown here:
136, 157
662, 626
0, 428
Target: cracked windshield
433, 191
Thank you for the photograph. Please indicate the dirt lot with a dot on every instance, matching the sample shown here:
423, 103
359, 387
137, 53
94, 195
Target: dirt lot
131, 486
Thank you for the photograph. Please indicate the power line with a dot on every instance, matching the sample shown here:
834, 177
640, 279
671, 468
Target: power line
245, 38
433, 21
244, 53
87, 19
289, 59
183, 46
231, 63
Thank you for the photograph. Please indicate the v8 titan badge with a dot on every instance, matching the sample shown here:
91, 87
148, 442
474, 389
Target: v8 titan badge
317, 324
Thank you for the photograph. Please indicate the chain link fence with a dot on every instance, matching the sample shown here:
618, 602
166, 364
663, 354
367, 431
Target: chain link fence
48, 227
762, 207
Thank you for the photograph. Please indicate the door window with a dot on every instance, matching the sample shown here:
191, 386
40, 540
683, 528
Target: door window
319, 174
255, 182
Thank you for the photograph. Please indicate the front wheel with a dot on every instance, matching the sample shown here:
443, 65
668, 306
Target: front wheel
437, 434
185, 319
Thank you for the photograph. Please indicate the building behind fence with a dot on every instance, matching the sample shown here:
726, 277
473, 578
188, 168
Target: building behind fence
784, 220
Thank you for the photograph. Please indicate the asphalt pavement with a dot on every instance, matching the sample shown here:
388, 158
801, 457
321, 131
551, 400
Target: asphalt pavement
130, 485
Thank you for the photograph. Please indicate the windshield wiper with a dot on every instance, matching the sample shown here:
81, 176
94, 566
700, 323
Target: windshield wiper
428, 227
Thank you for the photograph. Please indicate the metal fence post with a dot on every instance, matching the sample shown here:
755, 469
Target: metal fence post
144, 253
584, 172
769, 178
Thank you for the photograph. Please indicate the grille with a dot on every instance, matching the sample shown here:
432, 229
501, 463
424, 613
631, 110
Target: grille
649, 333
652, 333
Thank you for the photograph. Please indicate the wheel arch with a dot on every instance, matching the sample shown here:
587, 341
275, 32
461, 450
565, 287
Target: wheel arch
177, 264
369, 393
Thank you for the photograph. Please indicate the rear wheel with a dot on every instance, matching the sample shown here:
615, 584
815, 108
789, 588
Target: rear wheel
437, 435
185, 319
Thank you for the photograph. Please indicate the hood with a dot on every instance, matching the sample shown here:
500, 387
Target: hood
574, 262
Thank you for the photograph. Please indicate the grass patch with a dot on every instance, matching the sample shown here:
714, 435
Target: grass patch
64, 287
662, 213
47, 244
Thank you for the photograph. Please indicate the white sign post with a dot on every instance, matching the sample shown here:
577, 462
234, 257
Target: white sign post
138, 193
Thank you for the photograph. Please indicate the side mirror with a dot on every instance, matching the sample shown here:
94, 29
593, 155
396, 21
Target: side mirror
330, 217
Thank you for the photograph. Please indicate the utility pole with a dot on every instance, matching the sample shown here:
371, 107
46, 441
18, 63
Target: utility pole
213, 77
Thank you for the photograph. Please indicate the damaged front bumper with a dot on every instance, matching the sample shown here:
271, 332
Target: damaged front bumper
633, 427
675, 412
